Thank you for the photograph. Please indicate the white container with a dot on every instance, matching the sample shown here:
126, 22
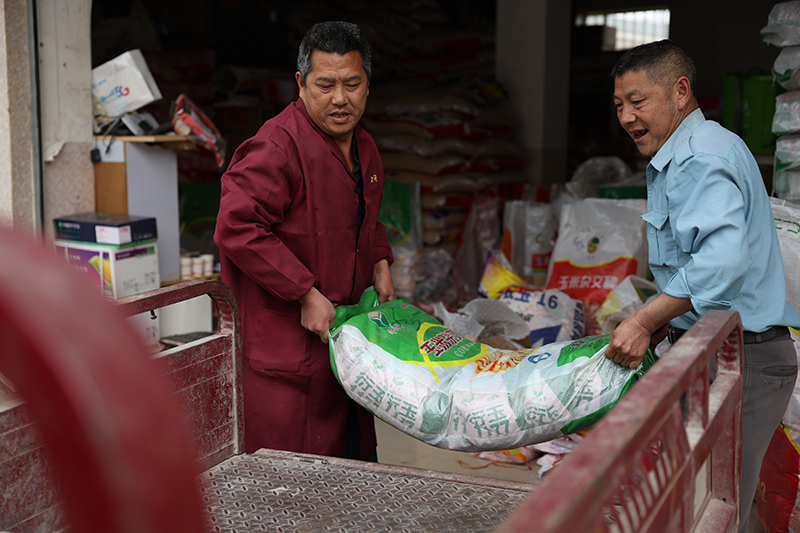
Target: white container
197, 267
186, 268
208, 264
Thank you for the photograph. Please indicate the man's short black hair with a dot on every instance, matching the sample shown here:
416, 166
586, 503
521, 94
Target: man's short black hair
663, 61
334, 37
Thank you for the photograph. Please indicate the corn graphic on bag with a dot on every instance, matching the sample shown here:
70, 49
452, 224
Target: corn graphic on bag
408, 369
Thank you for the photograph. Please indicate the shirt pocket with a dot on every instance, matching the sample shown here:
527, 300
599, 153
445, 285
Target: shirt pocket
661, 250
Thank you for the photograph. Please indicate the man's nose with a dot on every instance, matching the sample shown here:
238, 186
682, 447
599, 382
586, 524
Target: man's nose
625, 114
339, 95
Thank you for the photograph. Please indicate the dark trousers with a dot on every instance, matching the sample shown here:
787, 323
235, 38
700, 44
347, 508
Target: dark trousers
353, 450
770, 371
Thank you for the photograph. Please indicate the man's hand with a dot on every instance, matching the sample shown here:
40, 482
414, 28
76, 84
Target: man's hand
316, 313
628, 343
383, 283
644, 329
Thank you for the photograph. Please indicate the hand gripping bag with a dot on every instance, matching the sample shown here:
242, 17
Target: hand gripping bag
448, 391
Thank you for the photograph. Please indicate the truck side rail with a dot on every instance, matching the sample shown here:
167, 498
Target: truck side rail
667, 457
100, 443
205, 373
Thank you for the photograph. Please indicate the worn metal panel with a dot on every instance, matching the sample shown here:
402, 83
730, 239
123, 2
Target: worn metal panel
281, 491
17, 438
208, 404
216, 446
29, 488
226, 341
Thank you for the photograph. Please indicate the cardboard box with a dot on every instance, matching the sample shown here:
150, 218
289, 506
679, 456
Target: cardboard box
122, 85
117, 271
105, 229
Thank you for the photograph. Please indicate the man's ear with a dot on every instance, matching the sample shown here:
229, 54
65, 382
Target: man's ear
683, 90
299, 79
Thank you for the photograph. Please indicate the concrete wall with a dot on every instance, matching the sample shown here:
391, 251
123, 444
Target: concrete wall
65, 53
45, 139
18, 184
533, 65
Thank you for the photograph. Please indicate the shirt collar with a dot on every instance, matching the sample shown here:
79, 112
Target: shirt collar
684, 129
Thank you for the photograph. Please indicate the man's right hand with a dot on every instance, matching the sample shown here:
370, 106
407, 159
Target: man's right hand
629, 342
645, 328
316, 313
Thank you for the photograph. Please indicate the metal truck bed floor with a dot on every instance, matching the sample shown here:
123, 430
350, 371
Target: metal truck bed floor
287, 492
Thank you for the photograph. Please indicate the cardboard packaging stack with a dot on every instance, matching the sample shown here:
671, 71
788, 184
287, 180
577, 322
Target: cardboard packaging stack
119, 253
122, 85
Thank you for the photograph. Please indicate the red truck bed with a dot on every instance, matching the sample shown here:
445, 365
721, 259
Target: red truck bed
650, 465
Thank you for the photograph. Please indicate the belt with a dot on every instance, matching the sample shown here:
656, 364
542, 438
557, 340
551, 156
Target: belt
673, 334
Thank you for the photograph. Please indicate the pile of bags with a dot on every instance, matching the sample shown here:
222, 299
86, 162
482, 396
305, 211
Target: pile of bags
783, 30
503, 347
779, 481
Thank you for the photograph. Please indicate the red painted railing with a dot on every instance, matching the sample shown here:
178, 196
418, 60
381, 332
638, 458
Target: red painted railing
665, 458
113, 432
206, 373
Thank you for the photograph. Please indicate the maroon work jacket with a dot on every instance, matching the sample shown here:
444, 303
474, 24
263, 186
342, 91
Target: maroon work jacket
287, 222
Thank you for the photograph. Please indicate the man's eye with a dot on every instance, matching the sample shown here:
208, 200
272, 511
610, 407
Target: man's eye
637, 102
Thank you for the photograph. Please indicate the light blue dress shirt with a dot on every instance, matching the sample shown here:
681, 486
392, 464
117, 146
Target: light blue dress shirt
710, 231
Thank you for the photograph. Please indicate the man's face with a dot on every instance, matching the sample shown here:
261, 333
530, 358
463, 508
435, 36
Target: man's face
335, 92
648, 112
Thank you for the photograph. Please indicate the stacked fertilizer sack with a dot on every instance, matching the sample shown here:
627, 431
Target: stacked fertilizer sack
448, 391
783, 30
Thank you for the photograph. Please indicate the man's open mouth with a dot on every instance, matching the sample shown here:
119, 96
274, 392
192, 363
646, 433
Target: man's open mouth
638, 134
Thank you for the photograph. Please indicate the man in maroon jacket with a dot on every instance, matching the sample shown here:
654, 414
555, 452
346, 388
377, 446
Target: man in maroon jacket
298, 233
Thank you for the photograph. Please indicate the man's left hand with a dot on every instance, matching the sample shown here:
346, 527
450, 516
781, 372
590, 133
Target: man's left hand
383, 283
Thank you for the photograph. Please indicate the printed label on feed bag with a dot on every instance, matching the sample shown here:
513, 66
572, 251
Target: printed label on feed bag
600, 242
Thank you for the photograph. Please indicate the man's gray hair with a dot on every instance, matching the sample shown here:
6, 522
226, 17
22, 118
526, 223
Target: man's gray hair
663, 61
335, 37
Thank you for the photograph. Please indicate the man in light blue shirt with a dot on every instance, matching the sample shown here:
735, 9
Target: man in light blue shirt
711, 240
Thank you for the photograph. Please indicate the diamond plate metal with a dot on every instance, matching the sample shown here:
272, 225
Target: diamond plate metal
284, 492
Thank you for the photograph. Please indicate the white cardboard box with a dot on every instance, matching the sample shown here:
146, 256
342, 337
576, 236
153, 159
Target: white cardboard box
123, 84
119, 271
